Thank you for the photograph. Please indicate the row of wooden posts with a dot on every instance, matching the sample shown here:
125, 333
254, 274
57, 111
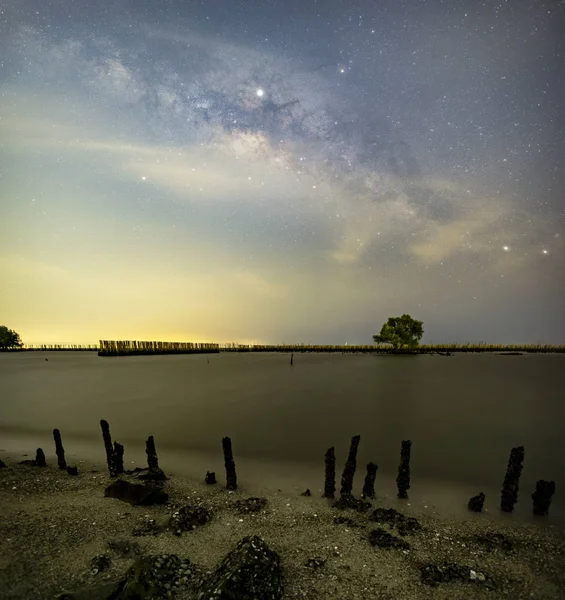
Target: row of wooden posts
541, 497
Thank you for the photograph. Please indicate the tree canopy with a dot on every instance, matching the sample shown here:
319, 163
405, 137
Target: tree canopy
9, 338
401, 332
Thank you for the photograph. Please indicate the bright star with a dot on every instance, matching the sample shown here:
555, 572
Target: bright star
505, 248
544, 251
143, 178
260, 93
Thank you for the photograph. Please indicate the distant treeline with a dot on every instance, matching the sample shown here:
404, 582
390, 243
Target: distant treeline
55, 347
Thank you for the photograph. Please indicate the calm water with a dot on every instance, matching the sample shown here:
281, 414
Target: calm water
463, 415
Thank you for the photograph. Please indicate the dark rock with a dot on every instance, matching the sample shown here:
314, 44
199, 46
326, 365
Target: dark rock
108, 447
405, 525
493, 541
434, 574
329, 485
369, 485
40, 458
315, 563
2, 464
350, 466
249, 572
100, 563
158, 576
542, 497
403, 477
125, 548
100, 592
149, 527
59, 450
136, 493
350, 502
381, 538
72, 470
136, 470
152, 461
477, 502
509, 495
252, 504
306, 493
231, 477
119, 458
188, 518
210, 477
339, 520
153, 475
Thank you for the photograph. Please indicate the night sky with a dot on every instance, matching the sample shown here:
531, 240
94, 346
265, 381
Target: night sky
282, 171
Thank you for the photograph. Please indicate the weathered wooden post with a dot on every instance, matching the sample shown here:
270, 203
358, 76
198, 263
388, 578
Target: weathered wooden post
509, 495
369, 485
152, 460
40, 458
59, 450
231, 477
350, 466
329, 485
542, 497
118, 458
403, 477
108, 447
291, 358
476, 503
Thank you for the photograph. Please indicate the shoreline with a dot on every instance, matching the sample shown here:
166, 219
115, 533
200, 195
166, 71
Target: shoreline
54, 524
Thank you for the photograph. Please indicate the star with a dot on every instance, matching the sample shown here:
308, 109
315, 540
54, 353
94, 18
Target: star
505, 248
260, 93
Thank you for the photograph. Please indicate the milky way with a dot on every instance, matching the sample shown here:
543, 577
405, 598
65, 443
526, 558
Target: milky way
282, 171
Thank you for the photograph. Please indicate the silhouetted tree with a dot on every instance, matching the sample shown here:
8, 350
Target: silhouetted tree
9, 338
400, 332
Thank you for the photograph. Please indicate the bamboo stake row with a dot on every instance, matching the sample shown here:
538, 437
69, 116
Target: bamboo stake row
126, 347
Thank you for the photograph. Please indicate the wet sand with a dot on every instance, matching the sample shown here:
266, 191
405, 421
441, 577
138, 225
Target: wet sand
53, 525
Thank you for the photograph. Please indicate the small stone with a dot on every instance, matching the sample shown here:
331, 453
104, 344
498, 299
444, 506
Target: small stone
315, 563
252, 504
381, 538
476, 503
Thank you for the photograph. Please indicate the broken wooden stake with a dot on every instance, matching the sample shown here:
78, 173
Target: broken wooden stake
329, 485
403, 477
369, 485
350, 466
509, 495
59, 450
231, 477
108, 447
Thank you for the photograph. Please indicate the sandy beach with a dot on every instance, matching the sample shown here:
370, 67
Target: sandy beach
53, 525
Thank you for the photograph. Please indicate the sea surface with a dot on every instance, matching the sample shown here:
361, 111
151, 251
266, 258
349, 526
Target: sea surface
463, 414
